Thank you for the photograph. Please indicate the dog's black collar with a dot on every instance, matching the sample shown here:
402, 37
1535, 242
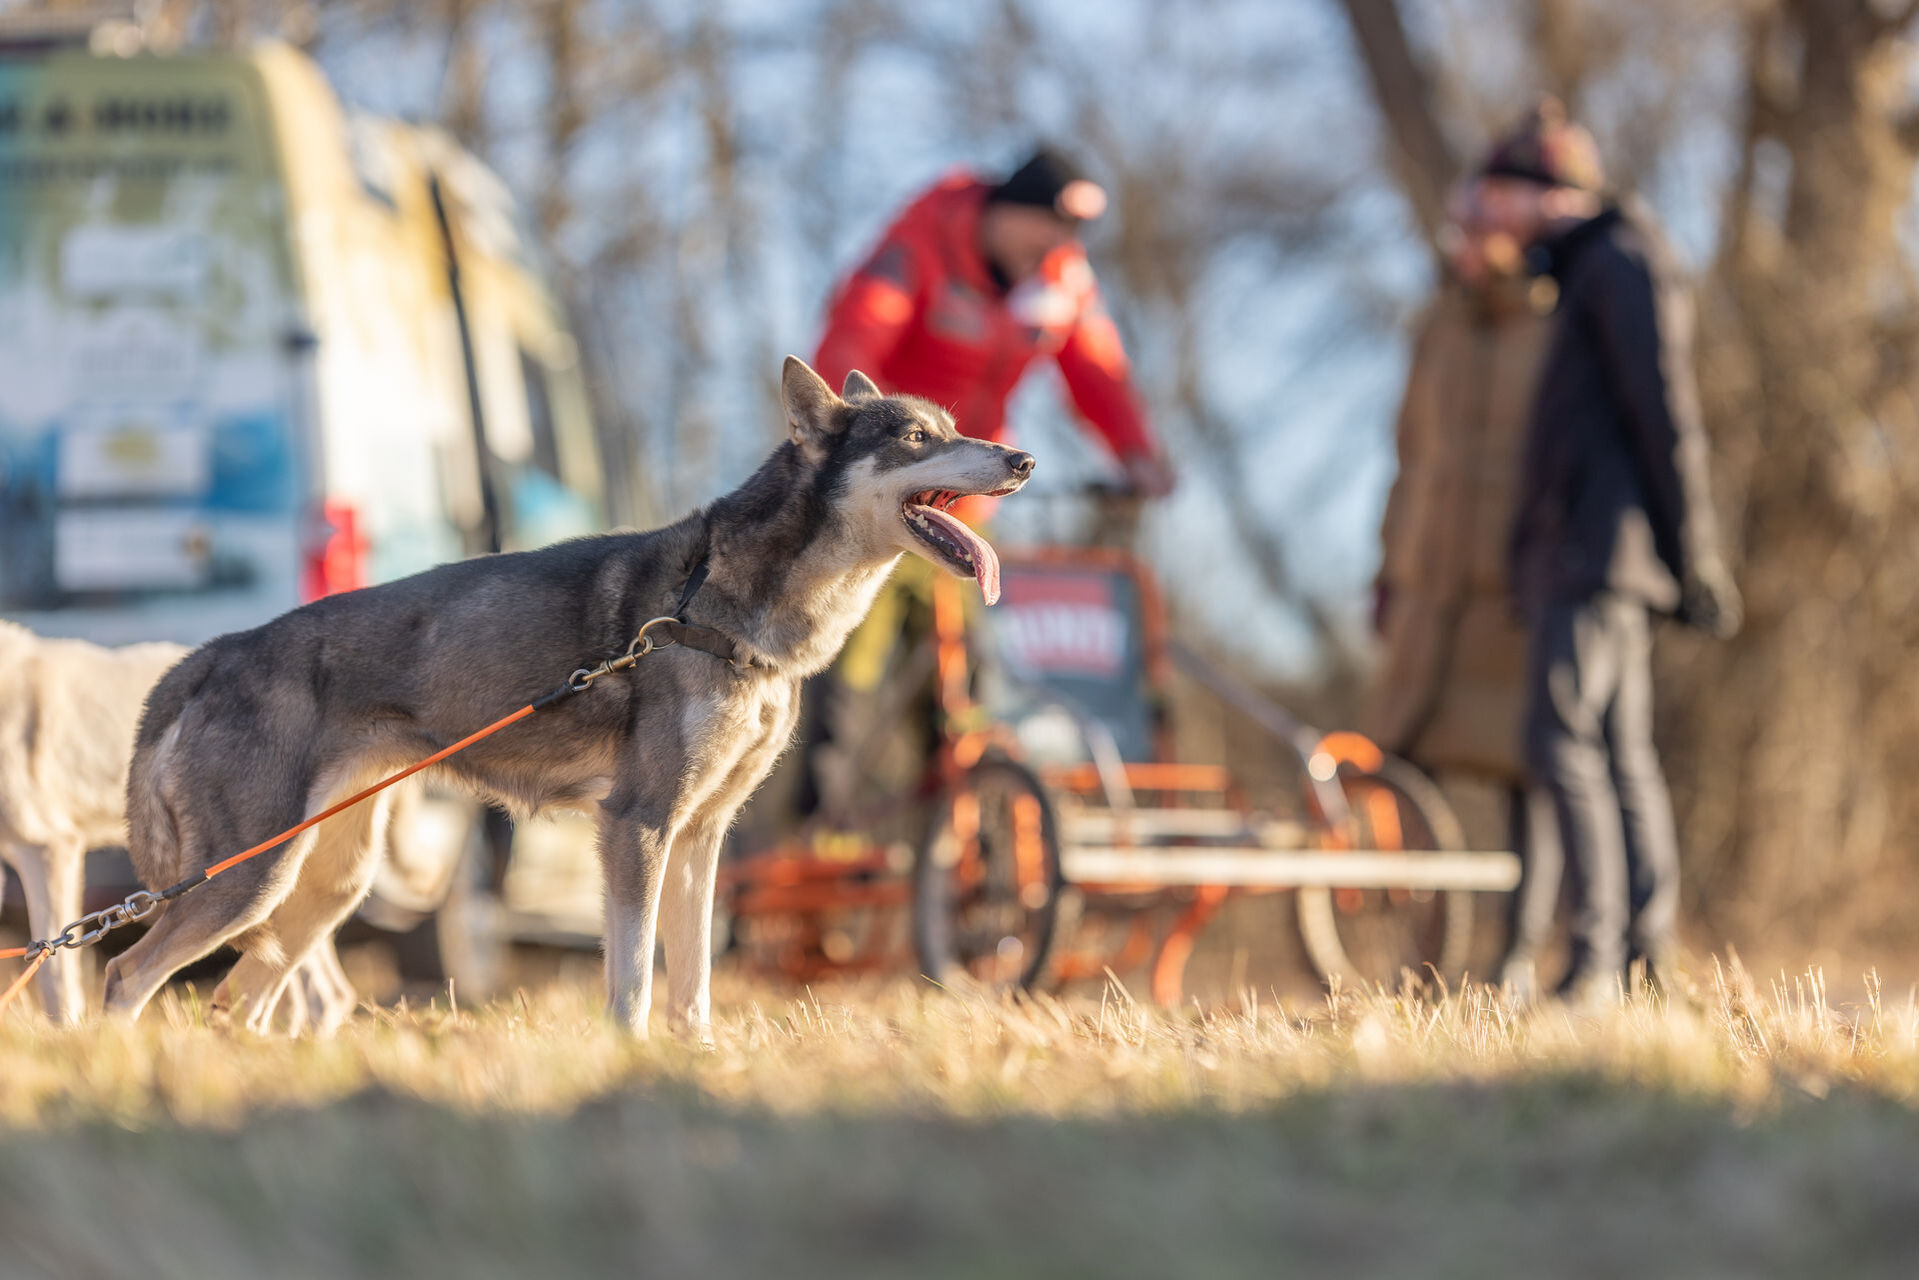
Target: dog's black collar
658, 633
691, 634
694, 581
706, 639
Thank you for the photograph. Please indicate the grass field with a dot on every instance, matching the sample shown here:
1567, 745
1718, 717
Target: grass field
1751, 1129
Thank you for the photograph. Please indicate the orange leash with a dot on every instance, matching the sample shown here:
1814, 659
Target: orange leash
375, 789
140, 904
95, 925
26, 975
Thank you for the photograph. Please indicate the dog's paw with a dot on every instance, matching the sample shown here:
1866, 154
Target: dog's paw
697, 1034
628, 1020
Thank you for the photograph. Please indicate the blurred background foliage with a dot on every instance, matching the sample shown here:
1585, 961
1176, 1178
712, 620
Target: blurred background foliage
699, 174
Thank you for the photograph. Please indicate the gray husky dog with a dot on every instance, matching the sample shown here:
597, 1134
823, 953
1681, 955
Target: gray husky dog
257, 730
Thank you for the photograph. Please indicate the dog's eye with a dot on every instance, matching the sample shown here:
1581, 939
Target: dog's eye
916, 436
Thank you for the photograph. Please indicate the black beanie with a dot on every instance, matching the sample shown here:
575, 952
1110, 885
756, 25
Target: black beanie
1545, 147
1039, 181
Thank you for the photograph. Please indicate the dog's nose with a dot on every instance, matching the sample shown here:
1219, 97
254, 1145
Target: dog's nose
1022, 464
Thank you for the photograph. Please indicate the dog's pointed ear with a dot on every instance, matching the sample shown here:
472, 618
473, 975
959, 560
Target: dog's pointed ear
859, 387
811, 406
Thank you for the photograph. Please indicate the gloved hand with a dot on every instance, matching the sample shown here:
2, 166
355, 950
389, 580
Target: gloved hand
1149, 474
1382, 605
1709, 601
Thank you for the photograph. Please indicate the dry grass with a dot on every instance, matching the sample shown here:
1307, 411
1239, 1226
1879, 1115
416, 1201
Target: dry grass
1752, 1129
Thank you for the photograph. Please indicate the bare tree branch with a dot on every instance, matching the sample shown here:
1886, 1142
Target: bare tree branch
565, 115
463, 77
1736, 212
1896, 19
1402, 88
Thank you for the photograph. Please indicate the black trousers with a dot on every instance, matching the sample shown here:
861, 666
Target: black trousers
1589, 744
1533, 822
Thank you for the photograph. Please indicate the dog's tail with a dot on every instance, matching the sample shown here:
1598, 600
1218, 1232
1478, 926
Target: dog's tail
154, 838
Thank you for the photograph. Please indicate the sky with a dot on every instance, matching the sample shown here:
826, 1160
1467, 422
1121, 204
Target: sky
1302, 340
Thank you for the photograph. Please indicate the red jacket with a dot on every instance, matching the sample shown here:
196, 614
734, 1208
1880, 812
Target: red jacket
923, 316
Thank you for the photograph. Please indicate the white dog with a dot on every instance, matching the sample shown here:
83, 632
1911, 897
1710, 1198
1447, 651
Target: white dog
68, 711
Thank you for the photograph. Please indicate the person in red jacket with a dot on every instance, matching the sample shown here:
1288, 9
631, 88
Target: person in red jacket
971, 283
967, 287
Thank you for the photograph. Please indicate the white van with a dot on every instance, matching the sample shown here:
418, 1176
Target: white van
254, 351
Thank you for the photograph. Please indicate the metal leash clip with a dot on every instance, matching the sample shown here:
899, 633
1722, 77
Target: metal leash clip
642, 645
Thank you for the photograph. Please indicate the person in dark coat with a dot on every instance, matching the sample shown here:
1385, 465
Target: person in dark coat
1613, 527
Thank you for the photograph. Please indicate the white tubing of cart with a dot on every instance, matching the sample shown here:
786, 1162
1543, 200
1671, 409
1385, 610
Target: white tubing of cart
1492, 872
1135, 826
1321, 772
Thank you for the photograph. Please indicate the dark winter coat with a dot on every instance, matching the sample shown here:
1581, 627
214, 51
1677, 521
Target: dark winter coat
1613, 490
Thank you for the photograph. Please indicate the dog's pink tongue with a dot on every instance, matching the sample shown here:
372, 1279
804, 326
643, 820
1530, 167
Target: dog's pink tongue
985, 559
986, 569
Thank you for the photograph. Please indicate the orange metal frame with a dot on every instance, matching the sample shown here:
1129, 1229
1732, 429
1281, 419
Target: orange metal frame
794, 885
1176, 784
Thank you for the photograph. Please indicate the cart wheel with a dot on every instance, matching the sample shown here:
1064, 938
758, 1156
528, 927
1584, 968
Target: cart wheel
1375, 936
986, 883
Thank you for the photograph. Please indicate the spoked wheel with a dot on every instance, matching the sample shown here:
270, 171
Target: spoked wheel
986, 884
1367, 936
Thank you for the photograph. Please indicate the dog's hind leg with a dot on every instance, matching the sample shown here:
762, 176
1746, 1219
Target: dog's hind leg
330, 996
190, 927
53, 876
316, 998
299, 933
293, 1014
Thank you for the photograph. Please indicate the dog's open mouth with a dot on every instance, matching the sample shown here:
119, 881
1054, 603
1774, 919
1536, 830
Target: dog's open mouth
951, 542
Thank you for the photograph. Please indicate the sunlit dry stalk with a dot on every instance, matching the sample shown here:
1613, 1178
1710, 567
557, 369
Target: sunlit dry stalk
898, 1046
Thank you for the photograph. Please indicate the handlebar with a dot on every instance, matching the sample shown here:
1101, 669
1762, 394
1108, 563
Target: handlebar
1098, 491
1099, 513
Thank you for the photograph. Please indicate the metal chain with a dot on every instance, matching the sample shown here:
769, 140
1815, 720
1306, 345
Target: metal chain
95, 925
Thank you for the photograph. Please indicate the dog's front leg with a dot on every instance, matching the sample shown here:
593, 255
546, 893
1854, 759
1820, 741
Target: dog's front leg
686, 926
634, 841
